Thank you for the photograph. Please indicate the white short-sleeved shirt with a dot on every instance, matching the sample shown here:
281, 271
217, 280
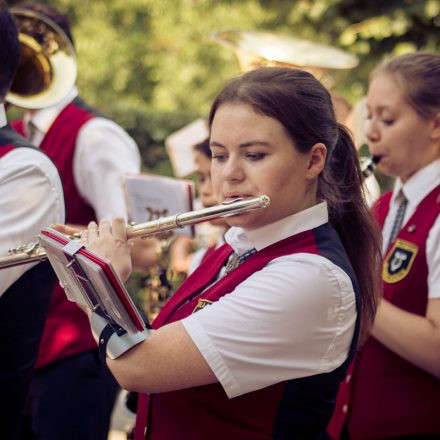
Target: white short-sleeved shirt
31, 198
294, 318
104, 154
415, 190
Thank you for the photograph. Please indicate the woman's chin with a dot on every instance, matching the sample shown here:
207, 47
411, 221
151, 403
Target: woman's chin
247, 220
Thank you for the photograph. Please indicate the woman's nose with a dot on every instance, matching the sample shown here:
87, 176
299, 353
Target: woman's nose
206, 187
233, 170
371, 131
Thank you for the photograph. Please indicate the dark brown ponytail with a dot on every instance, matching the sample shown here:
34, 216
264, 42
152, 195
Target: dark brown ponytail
341, 185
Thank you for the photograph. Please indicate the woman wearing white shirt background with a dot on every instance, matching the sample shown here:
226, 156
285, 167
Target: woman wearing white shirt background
257, 351
31, 198
393, 390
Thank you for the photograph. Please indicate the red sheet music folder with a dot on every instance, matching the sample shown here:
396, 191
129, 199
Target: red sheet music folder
90, 280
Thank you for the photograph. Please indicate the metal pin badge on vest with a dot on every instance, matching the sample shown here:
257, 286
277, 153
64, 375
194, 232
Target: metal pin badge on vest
201, 304
235, 259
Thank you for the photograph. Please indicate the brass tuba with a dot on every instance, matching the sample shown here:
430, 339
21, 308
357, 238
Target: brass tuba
257, 48
47, 68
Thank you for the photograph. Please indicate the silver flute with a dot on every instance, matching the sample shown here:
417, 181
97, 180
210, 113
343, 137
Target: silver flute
32, 252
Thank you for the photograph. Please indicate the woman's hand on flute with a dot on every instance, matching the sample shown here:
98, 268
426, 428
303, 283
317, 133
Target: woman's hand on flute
110, 241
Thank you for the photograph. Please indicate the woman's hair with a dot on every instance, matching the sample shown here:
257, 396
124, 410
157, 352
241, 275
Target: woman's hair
418, 75
303, 106
203, 147
9, 50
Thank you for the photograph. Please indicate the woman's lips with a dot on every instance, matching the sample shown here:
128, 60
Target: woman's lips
235, 196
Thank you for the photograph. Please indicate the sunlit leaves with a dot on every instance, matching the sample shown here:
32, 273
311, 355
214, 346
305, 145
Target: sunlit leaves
153, 66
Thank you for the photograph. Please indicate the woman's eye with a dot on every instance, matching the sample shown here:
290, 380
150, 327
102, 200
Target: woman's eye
219, 157
256, 156
388, 121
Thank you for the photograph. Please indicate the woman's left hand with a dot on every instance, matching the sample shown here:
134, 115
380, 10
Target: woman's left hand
110, 241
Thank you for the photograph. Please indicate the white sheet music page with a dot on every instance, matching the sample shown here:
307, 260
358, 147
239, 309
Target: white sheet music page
150, 197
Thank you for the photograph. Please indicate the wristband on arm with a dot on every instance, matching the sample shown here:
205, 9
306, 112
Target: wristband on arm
113, 340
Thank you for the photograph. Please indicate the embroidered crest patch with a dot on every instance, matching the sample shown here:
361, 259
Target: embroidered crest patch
201, 304
398, 262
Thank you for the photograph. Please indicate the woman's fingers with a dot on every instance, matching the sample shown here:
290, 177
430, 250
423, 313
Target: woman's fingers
106, 232
105, 228
119, 228
92, 231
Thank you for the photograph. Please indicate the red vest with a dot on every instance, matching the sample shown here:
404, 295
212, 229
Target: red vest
9, 140
6, 149
384, 395
208, 252
67, 331
298, 408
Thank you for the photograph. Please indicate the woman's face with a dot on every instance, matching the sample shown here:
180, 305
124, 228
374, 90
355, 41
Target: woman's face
396, 132
203, 175
253, 155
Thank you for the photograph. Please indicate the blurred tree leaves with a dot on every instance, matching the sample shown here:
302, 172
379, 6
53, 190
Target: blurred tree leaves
152, 66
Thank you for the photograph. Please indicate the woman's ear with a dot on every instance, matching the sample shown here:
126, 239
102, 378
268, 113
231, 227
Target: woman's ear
435, 134
317, 155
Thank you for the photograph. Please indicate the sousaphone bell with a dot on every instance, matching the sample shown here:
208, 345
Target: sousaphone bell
256, 49
47, 66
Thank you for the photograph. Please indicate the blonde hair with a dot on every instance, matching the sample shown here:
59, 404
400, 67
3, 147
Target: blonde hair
418, 75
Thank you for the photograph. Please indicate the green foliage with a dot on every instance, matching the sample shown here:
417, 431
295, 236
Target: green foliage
153, 66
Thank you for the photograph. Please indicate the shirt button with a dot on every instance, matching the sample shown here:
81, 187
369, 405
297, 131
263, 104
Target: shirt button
348, 378
345, 409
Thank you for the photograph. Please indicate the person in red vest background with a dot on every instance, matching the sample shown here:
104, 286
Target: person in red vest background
31, 198
393, 387
183, 257
256, 340
92, 154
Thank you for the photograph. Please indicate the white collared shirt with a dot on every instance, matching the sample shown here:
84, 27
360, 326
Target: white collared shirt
294, 318
415, 190
31, 198
104, 154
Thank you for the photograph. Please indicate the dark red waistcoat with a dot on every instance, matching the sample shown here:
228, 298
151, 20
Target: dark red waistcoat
67, 331
297, 408
9, 140
384, 395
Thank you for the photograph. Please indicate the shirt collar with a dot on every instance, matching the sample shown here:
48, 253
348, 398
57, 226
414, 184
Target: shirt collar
42, 119
418, 186
241, 240
3, 120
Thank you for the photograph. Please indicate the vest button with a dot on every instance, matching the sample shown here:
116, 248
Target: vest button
348, 378
345, 409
